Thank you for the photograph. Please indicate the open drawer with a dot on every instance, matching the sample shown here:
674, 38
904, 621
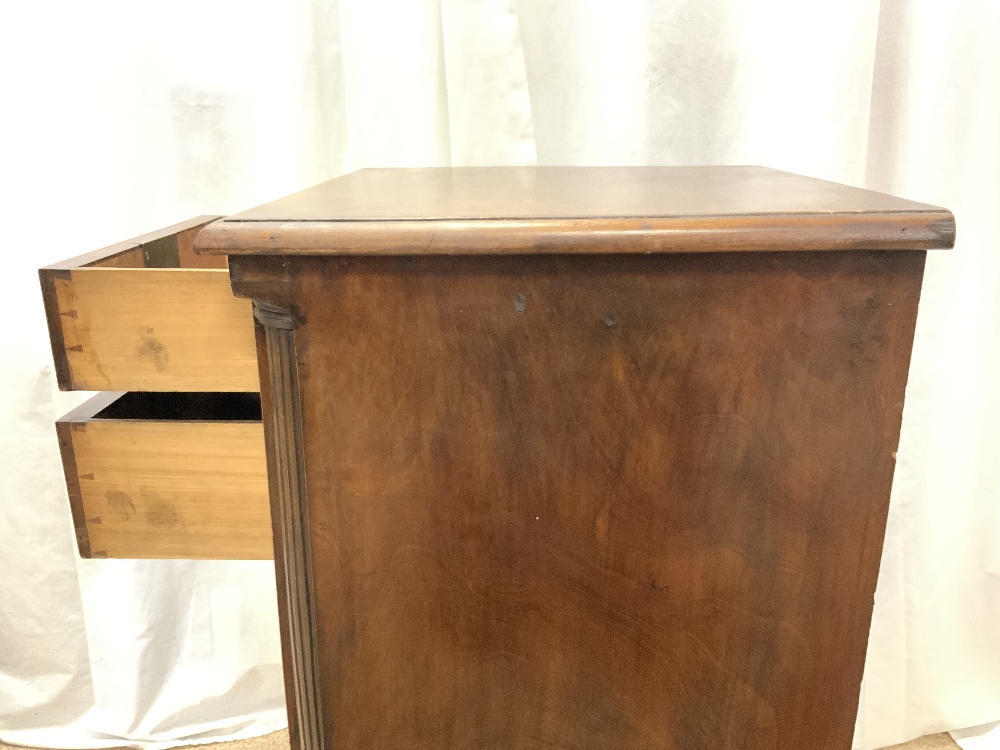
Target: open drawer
149, 315
168, 475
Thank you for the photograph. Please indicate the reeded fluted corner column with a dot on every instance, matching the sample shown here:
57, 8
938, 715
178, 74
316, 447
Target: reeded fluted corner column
283, 432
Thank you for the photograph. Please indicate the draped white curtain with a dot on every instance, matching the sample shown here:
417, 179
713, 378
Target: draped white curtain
121, 117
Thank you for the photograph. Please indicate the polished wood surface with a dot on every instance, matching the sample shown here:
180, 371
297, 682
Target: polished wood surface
149, 315
579, 458
523, 193
294, 568
168, 476
278, 536
593, 502
504, 210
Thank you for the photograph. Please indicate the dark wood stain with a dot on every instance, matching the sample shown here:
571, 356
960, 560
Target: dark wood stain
73, 489
277, 535
161, 253
577, 210
644, 511
76, 420
589, 457
50, 301
294, 567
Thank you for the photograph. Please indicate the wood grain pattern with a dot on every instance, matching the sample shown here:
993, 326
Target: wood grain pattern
74, 491
166, 488
597, 502
110, 256
188, 258
123, 319
277, 534
527, 210
155, 330
293, 546
134, 258
525, 193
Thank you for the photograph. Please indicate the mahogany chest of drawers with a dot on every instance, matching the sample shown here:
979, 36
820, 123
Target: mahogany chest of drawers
560, 458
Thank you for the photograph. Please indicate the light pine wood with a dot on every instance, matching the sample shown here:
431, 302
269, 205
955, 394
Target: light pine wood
149, 314
168, 488
155, 329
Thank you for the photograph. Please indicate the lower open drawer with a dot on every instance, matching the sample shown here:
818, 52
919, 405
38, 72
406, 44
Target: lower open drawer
168, 475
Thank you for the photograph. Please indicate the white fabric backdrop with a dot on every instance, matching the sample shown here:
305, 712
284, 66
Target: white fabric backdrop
121, 117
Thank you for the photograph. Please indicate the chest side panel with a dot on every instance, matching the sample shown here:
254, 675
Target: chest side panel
599, 502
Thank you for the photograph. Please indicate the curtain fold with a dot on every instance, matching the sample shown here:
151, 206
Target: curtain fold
126, 117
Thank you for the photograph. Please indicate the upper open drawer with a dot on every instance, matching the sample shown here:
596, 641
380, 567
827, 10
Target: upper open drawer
149, 315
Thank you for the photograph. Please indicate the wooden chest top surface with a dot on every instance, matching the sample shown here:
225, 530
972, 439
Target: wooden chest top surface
500, 210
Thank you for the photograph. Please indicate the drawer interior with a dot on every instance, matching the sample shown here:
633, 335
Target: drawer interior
174, 249
191, 407
168, 475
